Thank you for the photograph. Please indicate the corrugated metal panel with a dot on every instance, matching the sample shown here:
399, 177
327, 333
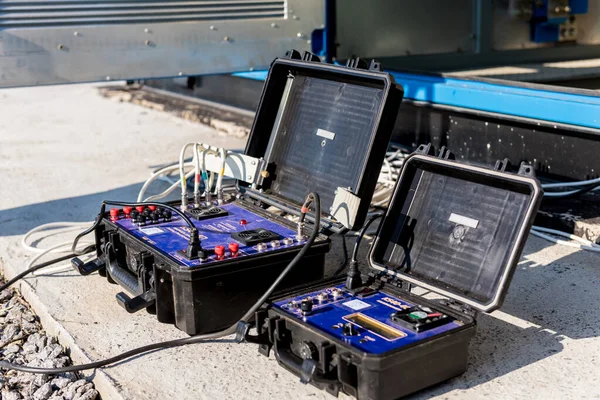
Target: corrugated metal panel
26, 14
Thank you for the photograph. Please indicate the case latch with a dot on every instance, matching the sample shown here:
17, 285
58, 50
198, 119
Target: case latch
293, 54
356, 63
308, 56
425, 150
375, 66
304, 56
502, 165
461, 307
445, 154
526, 170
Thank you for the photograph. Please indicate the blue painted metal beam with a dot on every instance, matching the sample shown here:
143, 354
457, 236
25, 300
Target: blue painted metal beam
517, 100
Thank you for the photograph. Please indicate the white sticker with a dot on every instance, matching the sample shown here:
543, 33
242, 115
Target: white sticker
356, 304
462, 220
151, 231
325, 134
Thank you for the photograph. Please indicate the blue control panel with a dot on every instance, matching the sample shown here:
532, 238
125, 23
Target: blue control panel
364, 321
172, 236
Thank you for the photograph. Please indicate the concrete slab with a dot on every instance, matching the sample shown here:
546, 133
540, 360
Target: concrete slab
64, 149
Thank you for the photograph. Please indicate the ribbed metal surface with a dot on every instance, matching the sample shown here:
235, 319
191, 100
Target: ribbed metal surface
25, 14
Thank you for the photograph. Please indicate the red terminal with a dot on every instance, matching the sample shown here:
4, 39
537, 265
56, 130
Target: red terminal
140, 208
152, 208
127, 210
234, 248
114, 213
220, 251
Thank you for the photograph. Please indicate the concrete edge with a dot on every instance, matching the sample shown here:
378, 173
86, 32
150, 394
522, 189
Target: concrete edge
104, 384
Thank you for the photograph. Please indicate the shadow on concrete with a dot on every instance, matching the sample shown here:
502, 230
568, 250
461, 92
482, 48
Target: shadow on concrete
560, 298
19, 220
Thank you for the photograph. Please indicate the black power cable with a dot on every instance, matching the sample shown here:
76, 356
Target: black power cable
311, 198
345, 260
353, 279
361, 234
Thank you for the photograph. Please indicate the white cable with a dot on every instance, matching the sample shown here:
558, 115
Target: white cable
66, 248
565, 234
59, 227
182, 178
198, 176
564, 242
62, 267
571, 184
156, 175
169, 190
223, 157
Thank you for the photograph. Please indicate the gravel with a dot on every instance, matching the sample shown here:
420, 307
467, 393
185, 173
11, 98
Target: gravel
23, 341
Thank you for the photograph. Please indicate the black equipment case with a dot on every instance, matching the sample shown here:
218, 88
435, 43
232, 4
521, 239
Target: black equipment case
319, 128
453, 229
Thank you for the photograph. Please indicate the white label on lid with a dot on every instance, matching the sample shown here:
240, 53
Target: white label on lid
462, 220
325, 134
356, 304
151, 231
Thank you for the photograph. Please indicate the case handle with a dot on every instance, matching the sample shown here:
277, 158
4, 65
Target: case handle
306, 369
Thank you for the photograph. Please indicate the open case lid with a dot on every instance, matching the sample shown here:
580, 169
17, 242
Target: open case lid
456, 229
323, 128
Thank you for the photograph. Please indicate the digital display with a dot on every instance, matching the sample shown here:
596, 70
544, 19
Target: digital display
377, 327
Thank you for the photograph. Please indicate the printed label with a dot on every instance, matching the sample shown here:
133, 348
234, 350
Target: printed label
356, 304
462, 220
325, 134
151, 231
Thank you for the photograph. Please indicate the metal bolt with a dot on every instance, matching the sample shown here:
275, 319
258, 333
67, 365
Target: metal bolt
274, 25
60, 47
213, 28
251, 69
323, 143
162, 280
249, 177
148, 43
300, 34
75, 33
253, 162
108, 78
146, 30
180, 74
295, 17
226, 38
